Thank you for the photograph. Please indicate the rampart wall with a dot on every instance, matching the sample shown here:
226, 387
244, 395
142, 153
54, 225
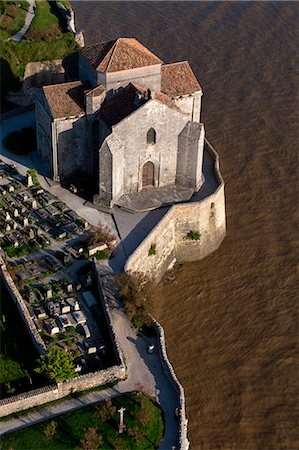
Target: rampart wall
50, 393
169, 236
18, 300
169, 371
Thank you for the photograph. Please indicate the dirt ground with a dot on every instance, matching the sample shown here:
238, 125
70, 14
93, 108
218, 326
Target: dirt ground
230, 320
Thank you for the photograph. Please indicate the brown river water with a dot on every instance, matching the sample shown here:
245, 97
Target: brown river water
230, 320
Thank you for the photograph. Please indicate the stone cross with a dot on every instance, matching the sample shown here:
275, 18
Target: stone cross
29, 180
121, 426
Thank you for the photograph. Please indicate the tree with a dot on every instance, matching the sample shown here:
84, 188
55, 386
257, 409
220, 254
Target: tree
137, 434
101, 233
91, 439
50, 430
135, 293
57, 364
106, 410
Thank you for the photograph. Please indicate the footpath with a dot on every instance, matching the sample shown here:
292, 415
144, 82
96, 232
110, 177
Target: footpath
28, 19
145, 371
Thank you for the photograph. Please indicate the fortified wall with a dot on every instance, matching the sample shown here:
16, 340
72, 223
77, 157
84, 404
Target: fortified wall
169, 240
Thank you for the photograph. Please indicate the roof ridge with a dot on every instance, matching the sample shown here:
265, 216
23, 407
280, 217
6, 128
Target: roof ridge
177, 62
63, 84
112, 53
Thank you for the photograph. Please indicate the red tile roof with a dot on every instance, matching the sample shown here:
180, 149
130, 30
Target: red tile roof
178, 79
65, 99
119, 54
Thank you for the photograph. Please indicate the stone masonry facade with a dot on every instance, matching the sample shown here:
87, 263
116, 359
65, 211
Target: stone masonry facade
130, 122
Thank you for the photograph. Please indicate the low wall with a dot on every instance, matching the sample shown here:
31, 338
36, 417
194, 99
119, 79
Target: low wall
103, 297
169, 371
50, 393
21, 305
206, 216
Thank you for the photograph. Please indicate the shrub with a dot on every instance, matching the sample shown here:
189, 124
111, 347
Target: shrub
91, 440
153, 250
57, 364
33, 174
135, 293
101, 254
50, 430
193, 235
101, 234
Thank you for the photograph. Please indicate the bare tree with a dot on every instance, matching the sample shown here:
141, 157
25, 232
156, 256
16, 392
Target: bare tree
91, 440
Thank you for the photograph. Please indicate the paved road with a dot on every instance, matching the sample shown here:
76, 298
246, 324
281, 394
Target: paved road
29, 17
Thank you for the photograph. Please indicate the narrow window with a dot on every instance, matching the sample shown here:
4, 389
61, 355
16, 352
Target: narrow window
151, 136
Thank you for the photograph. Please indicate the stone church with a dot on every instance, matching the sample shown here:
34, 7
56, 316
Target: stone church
131, 123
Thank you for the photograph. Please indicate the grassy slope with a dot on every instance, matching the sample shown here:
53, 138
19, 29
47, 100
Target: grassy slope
43, 17
70, 428
14, 56
13, 20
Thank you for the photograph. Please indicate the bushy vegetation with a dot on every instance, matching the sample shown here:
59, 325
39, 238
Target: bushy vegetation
15, 55
25, 248
45, 25
152, 250
85, 429
193, 235
33, 174
12, 17
135, 293
21, 142
57, 364
101, 234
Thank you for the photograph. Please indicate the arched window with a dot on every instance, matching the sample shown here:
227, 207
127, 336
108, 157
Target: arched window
151, 136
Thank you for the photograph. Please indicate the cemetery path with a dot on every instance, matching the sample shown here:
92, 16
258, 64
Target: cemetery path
28, 19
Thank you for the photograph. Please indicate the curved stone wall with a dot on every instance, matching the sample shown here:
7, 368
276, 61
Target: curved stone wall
169, 236
169, 371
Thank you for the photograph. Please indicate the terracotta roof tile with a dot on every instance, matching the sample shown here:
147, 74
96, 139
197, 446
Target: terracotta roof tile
120, 54
178, 79
65, 99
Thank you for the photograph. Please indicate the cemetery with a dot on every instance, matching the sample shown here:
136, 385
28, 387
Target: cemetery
46, 248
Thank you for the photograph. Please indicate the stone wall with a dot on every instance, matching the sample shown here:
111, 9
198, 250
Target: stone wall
106, 290
21, 305
54, 392
169, 236
148, 76
132, 133
47, 394
169, 371
73, 155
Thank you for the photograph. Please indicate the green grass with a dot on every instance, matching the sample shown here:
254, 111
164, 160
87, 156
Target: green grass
71, 427
13, 19
43, 18
17, 353
10, 370
15, 55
